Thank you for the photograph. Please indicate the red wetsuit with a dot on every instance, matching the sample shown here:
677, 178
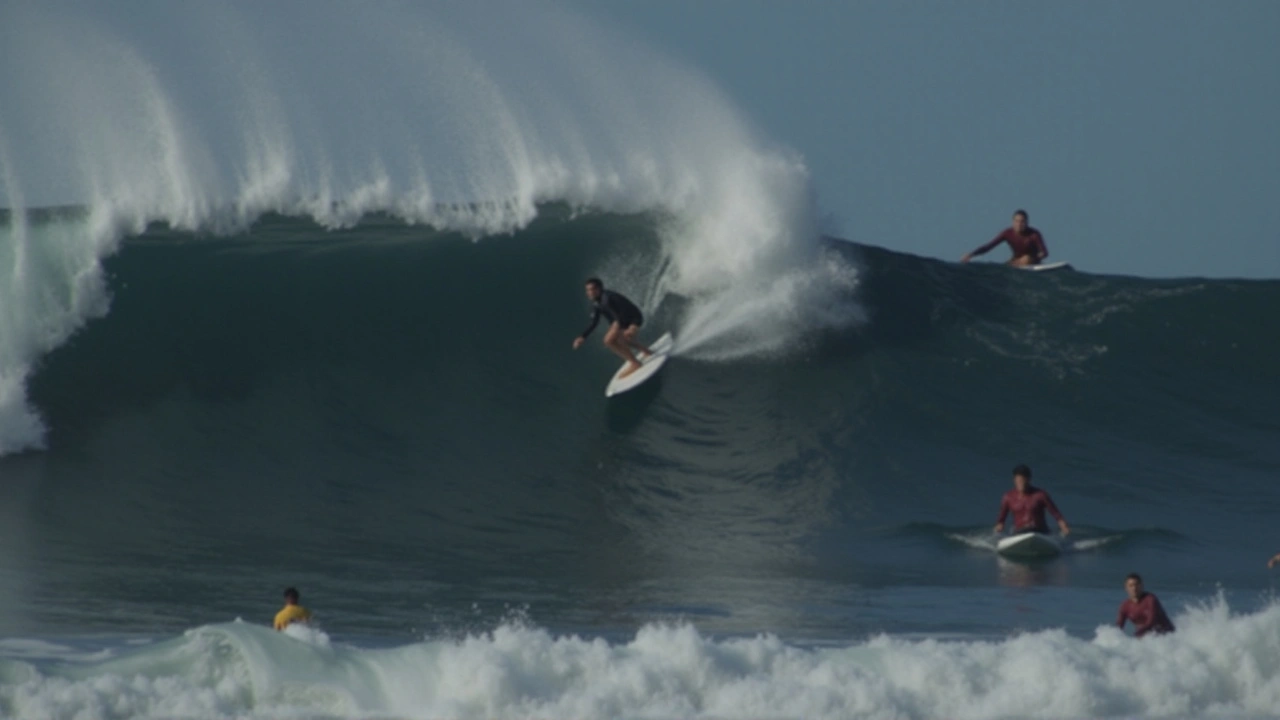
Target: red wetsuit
1028, 242
1028, 510
1146, 614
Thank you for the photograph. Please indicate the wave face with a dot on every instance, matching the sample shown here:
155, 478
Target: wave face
1216, 665
458, 118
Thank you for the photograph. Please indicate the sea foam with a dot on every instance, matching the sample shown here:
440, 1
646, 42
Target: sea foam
1215, 664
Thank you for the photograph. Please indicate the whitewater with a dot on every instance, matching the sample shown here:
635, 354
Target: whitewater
1218, 665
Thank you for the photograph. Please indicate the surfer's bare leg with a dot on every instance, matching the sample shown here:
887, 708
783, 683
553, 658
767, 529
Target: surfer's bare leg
615, 340
630, 336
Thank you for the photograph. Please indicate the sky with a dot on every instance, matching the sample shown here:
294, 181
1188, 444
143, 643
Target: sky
1143, 137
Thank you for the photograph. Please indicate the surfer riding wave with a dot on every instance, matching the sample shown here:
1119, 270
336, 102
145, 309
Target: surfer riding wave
625, 320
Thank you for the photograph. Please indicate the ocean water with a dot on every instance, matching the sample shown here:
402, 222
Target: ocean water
265, 322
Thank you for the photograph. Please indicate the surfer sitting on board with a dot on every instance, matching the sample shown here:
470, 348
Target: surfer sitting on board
1143, 609
1025, 241
1028, 503
624, 319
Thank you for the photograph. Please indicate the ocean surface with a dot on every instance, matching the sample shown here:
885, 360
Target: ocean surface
318, 333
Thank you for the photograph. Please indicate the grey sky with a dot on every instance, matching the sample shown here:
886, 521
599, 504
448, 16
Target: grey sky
1143, 136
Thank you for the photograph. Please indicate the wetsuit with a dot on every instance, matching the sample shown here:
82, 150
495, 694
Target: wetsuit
1027, 242
1146, 614
614, 307
1028, 510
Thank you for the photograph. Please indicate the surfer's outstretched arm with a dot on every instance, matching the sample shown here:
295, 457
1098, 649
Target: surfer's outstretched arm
983, 249
595, 320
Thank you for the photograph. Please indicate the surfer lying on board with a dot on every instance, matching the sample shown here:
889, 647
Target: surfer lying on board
1143, 609
1025, 241
1027, 504
624, 319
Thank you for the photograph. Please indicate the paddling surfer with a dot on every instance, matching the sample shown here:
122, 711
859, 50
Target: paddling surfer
1025, 241
624, 319
1028, 504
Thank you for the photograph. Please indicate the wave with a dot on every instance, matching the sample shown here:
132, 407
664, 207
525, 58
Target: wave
1217, 663
388, 372
392, 331
203, 119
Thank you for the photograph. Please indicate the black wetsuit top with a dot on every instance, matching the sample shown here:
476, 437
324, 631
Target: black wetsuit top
614, 308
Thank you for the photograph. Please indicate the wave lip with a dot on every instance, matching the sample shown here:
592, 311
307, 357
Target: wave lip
1216, 663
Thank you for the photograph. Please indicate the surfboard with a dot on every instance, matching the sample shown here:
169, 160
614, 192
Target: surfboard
648, 368
1050, 266
1029, 545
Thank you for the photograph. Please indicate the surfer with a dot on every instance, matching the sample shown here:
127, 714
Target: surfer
1275, 560
624, 319
1143, 609
1028, 504
1025, 241
292, 611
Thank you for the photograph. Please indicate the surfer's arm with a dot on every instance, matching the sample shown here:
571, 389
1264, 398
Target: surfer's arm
1042, 250
984, 249
591, 326
1160, 618
1057, 514
1122, 615
1053, 509
1004, 513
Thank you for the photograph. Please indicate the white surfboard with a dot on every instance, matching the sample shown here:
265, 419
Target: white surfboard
648, 368
1029, 545
1050, 266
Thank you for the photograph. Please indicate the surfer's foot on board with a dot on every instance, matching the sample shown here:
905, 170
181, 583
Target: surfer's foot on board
631, 367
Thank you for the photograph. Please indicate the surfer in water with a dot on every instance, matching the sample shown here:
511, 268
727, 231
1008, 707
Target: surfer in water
1143, 609
624, 319
1028, 504
1025, 241
292, 612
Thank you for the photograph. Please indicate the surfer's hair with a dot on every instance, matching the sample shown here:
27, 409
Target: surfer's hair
595, 282
1021, 212
291, 593
1133, 576
1022, 471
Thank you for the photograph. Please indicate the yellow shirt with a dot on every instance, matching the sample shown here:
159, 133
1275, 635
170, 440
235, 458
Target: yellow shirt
291, 614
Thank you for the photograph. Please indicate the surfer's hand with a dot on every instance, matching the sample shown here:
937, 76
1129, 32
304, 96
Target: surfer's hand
577, 342
1273, 561
999, 528
1062, 526
967, 257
